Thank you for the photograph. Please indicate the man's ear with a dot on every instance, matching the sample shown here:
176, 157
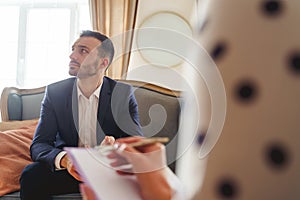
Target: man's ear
104, 63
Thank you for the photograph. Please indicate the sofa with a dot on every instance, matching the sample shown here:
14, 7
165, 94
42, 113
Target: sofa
159, 112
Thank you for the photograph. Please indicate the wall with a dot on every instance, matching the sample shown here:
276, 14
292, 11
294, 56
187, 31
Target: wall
152, 59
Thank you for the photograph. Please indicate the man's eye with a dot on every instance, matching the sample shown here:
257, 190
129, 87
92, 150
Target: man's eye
84, 51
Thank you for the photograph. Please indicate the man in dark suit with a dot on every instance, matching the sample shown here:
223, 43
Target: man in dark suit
80, 111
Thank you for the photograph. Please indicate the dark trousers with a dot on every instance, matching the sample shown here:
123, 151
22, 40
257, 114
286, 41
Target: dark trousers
38, 182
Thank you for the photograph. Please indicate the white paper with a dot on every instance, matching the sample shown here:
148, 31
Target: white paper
103, 179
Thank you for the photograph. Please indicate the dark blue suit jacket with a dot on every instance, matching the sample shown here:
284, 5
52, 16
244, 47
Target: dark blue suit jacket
58, 125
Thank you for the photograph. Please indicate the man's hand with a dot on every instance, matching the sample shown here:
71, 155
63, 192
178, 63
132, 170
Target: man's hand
66, 163
108, 140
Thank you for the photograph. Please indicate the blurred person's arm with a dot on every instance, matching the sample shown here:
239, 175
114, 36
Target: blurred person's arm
148, 165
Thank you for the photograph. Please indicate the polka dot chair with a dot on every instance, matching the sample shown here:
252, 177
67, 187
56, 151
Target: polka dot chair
256, 47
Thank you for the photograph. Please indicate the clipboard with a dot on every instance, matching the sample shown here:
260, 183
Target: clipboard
96, 172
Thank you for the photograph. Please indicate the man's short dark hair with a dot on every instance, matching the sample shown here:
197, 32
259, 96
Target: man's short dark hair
106, 49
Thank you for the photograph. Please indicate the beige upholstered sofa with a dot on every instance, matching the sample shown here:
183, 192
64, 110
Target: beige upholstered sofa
159, 110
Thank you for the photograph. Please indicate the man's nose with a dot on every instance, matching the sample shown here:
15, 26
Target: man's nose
73, 56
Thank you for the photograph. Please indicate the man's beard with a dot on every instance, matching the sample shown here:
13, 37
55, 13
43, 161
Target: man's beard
86, 71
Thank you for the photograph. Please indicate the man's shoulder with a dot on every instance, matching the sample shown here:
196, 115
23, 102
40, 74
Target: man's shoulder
63, 83
61, 88
114, 83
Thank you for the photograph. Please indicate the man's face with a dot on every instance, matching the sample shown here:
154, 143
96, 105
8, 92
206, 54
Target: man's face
84, 53
91, 66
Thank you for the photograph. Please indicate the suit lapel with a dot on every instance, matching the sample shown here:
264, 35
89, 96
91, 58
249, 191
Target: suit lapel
72, 110
103, 105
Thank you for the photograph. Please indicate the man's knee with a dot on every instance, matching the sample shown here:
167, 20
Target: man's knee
32, 182
33, 171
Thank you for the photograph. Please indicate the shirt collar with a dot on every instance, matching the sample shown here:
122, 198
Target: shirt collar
95, 93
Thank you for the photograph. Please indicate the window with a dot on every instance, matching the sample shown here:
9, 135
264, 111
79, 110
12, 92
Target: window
36, 39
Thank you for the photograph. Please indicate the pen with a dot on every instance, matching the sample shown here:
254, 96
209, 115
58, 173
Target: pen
148, 141
143, 142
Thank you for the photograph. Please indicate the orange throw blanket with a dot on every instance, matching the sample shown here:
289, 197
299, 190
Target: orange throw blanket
14, 156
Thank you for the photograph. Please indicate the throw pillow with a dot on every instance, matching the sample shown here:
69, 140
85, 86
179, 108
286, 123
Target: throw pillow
14, 156
12, 125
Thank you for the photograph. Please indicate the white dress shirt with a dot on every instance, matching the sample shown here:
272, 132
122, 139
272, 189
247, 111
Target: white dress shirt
87, 119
